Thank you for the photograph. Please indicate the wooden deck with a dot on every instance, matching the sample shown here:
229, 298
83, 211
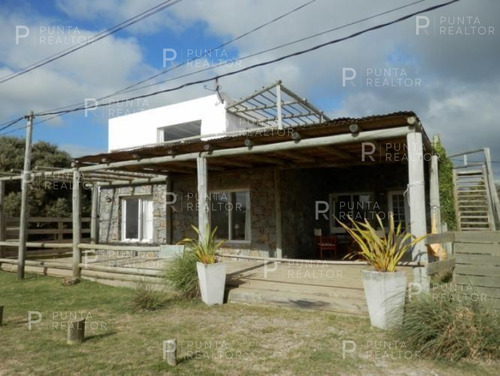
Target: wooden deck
330, 287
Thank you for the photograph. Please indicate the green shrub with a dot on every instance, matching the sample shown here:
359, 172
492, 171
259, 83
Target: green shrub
445, 324
181, 275
445, 171
148, 297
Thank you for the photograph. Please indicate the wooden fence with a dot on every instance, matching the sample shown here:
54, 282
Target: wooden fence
477, 262
43, 230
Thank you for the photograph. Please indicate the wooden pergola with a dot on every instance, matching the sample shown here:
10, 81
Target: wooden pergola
332, 143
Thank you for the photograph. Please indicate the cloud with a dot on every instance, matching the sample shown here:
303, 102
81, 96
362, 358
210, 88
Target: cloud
458, 73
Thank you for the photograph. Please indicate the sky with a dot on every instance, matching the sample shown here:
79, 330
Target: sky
443, 64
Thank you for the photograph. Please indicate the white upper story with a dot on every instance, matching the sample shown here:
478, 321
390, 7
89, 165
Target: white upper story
201, 116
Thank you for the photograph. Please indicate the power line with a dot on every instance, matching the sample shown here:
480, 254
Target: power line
126, 89
95, 38
10, 123
284, 57
263, 51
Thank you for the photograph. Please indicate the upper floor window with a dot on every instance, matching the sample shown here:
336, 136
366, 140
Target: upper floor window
179, 131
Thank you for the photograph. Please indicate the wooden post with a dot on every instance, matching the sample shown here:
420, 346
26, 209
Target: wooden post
76, 332
492, 189
434, 192
277, 208
77, 224
278, 106
94, 226
26, 178
201, 164
417, 204
168, 211
170, 351
60, 227
3, 217
1, 315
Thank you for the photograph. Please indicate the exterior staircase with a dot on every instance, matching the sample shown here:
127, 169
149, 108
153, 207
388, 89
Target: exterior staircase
473, 202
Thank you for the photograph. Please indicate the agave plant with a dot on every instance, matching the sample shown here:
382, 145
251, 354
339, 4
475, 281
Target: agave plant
382, 251
204, 248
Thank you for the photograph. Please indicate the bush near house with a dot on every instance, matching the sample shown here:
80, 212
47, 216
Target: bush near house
451, 323
181, 275
446, 187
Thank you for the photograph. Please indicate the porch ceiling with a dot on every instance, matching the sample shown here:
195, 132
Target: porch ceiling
281, 149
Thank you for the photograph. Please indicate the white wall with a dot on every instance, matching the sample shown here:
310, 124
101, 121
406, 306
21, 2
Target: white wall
141, 128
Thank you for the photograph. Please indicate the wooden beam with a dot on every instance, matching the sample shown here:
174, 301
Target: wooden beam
277, 210
169, 202
3, 217
77, 223
259, 158
335, 152
232, 163
202, 177
278, 106
297, 156
417, 203
94, 210
26, 178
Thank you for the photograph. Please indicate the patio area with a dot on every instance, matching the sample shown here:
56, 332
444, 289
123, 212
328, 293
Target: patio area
334, 286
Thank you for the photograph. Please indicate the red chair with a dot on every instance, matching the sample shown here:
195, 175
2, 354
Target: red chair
325, 243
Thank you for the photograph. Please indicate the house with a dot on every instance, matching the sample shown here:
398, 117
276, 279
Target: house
267, 170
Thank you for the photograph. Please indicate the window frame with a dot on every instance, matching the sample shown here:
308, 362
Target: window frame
140, 230
333, 198
390, 205
248, 215
161, 130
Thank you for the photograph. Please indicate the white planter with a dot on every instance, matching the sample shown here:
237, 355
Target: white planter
212, 279
385, 295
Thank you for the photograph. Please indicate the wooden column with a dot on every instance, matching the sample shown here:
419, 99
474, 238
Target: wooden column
278, 106
277, 208
493, 189
77, 224
417, 204
202, 174
3, 217
94, 215
168, 211
23, 220
434, 195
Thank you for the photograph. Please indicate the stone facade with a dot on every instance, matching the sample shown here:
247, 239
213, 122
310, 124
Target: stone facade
259, 183
300, 190
110, 211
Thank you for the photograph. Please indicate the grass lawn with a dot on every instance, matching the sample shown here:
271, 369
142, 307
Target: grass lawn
221, 340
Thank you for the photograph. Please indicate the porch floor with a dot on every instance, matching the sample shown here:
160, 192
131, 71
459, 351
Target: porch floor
329, 287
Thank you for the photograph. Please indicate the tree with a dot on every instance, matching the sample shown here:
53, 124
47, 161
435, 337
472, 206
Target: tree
46, 199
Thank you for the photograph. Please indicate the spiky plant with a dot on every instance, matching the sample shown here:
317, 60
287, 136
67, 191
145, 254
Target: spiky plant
204, 247
381, 250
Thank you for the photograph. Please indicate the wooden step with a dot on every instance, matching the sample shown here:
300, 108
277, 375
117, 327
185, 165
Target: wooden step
298, 300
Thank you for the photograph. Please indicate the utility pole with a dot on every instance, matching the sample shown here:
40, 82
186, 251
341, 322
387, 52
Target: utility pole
26, 179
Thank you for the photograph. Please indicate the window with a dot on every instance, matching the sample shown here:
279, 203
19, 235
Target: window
230, 212
178, 131
358, 206
137, 218
398, 205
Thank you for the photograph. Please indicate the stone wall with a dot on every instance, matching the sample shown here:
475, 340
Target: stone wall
260, 183
300, 189
110, 211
